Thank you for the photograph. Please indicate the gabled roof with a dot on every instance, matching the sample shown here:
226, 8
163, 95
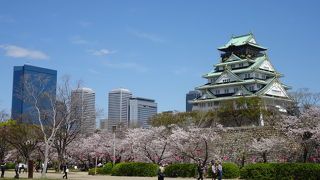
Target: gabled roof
234, 62
233, 57
254, 67
274, 83
242, 91
247, 81
242, 40
229, 72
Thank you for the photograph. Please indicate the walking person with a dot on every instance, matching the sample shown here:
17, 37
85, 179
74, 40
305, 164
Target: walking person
161, 172
16, 169
65, 171
219, 171
214, 168
200, 170
2, 167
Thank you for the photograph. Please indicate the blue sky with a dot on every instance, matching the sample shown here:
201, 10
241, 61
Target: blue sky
156, 49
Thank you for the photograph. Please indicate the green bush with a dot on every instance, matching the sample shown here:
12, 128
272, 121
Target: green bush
10, 166
107, 168
257, 171
135, 169
229, 171
281, 171
181, 170
91, 171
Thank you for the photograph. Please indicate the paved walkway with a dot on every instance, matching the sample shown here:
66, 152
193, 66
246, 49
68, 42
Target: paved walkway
85, 176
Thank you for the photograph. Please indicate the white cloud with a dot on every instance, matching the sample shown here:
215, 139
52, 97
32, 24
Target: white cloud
126, 65
101, 52
19, 52
93, 71
78, 40
148, 36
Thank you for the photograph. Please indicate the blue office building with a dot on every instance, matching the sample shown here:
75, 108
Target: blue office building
28, 81
191, 95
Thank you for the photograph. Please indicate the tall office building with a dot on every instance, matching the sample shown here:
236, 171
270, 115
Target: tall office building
141, 109
103, 124
118, 108
31, 80
191, 95
85, 98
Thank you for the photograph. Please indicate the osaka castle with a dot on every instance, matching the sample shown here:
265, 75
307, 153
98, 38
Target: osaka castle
244, 70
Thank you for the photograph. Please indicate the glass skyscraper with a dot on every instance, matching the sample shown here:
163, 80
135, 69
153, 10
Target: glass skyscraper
141, 109
31, 83
85, 99
118, 109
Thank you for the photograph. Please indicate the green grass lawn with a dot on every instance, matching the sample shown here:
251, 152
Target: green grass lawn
33, 178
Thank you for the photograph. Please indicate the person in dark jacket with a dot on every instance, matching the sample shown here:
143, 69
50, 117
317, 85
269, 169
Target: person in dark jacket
65, 171
2, 167
200, 170
16, 169
161, 172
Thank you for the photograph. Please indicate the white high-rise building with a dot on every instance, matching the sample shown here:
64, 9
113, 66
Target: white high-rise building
118, 109
141, 109
85, 98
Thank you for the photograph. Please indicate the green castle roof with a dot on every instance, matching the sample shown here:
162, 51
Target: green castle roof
240, 41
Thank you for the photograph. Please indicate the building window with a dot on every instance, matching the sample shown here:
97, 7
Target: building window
251, 88
246, 76
226, 91
232, 66
217, 91
235, 89
241, 65
226, 80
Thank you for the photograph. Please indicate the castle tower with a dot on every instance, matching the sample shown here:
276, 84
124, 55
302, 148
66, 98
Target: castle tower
243, 71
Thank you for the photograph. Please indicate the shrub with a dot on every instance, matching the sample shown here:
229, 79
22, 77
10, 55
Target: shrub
281, 171
230, 171
181, 170
10, 166
106, 169
257, 171
135, 169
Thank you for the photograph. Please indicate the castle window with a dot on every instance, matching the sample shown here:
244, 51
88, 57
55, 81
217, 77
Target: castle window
246, 75
251, 88
235, 89
226, 91
217, 91
226, 80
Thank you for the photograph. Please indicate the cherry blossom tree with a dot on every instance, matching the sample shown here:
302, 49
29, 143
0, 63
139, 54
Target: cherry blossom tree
150, 144
193, 143
304, 129
263, 146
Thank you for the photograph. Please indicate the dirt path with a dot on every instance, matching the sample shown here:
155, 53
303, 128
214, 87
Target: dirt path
85, 176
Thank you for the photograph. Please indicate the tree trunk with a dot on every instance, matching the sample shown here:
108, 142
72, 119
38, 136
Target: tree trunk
30, 169
264, 157
46, 154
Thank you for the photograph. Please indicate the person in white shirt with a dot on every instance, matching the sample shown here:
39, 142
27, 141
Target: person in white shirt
219, 171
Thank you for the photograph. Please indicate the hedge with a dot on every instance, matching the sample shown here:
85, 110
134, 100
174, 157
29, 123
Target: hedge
135, 169
181, 170
282, 171
105, 170
10, 166
229, 171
